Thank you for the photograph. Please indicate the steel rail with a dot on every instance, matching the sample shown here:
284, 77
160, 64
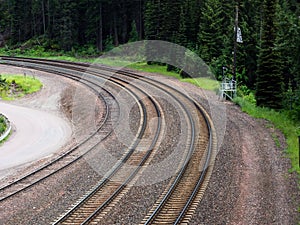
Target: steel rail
108, 177
127, 156
61, 157
202, 177
207, 160
43, 168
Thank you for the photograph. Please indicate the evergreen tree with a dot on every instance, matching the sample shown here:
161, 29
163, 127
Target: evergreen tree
133, 36
182, 36
270, 81
288, 43
210, 37
250, 23
188, 23
153, 20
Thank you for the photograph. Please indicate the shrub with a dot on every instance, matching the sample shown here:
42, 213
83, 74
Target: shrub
2, 125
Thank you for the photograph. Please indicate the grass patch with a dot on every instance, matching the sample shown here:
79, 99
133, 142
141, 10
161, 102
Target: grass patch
282, 122
202, 82
5, 139
2, 125
18, 86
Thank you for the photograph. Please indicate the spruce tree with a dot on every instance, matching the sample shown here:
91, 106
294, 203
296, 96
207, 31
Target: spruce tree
269, 85
288, 43
153, 20
133, 36
210, 38
250, 23
182, 36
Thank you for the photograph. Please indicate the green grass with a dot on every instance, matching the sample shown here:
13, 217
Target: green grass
205, 83
282, 122
202, 82
2, 125
26, 85
5, 139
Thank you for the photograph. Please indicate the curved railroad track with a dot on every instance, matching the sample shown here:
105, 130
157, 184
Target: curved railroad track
185, 189
64, 160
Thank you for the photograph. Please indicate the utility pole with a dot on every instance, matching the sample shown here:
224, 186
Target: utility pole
235, 42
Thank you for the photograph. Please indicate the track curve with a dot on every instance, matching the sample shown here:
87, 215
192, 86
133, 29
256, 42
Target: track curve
200, 145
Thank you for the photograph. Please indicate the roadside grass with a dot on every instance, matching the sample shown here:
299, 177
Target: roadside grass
25, 85
5, 139
282, 122
2, 125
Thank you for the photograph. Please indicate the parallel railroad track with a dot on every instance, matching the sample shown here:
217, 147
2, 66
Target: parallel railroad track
66, 159
184, 192
74, 154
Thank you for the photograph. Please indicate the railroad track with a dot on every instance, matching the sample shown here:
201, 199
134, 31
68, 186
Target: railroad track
186, 187
73, 155
62, 162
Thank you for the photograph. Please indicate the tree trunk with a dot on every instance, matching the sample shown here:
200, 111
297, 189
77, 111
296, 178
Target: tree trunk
44, 19
115, 29
100, 38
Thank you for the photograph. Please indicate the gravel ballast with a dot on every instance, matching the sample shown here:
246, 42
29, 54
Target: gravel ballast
250, 183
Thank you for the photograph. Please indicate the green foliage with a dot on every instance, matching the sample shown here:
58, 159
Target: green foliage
246, 94
288, 43
133, 36
3, 83
211, 37
291, 101
269, 86
108, 43
2, 125
217, 65
19, 86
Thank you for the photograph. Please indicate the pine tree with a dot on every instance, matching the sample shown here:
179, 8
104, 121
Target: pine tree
270, 81
188, 24
153, 20
210, 37
68, 24
182, 36
250, 23
133, 36
288, 43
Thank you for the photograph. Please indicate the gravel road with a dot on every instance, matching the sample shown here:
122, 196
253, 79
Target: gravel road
36, 134
40, 129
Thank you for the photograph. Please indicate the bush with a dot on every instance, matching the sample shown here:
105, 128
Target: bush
2, 125
250, 98
246, 94
291, 103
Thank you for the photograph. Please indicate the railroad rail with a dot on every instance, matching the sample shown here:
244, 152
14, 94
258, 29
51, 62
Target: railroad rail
186, 187
74, 154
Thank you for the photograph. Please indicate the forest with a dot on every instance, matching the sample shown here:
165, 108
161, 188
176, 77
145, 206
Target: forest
268, 59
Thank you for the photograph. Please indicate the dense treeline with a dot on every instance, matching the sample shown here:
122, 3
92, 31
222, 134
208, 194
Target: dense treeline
71, 23
268, 60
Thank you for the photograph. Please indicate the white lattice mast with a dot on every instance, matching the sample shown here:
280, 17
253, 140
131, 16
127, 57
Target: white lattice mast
228, 87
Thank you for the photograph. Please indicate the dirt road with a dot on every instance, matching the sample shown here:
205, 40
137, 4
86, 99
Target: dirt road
35, 134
